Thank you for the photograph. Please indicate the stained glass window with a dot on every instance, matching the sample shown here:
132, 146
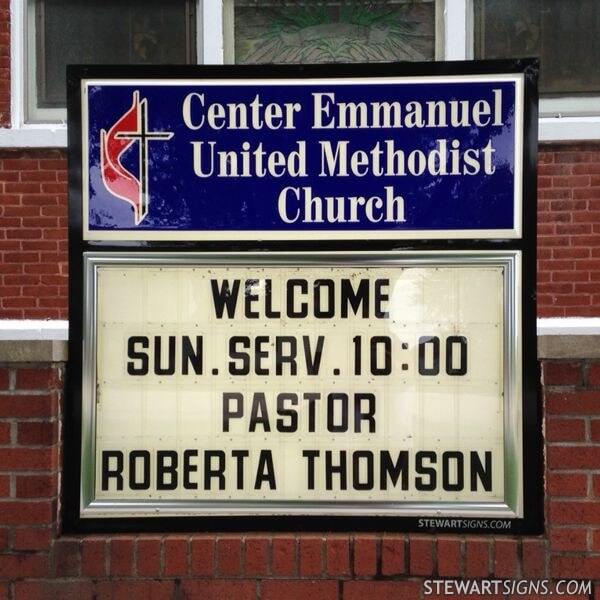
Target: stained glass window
324, 31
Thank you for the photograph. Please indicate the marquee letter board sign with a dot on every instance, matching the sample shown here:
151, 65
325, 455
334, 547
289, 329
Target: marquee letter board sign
303, 297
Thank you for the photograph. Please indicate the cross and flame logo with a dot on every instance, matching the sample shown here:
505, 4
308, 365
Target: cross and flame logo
132, 127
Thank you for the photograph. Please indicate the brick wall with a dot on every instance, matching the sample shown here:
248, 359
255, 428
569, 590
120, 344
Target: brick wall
4, 63
569, 230
33, 232
36, 561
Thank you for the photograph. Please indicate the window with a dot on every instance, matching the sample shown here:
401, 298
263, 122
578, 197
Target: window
318, 32
65, 32
563, 33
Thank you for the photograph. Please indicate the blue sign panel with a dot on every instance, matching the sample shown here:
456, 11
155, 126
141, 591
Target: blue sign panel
395, 158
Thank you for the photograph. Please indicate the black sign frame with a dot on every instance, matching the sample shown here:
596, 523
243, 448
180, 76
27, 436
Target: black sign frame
532, 521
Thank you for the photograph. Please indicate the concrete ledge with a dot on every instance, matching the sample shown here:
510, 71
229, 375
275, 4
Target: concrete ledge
35, 351
569, 346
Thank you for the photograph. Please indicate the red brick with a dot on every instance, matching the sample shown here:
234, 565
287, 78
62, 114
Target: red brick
571, 276
393, 555
574, 229
36, 486
19, 164
365, 555
148, 557
37, 379
37, 433
567, 484
203, 556
337, 555
420, 556
477, 554
586, 168
257, 555
4, 486
53, 164
574, 567
534, 558
567, 181
562, 373
594, 374
27, 405
66, 558
218, 590
5, 433
93, 557
506, 558
595, 430
16, 566
449, 557
382, 590
21, 233
45, 590
596, 485
28, 459
4, 531
575, 513
299, 590
4, 378
38, 175
283, 555
176, 556
554, 169
130, 590
568, 539
61, 188
32, 538
311, 555
596, 540
121, 557
565, 430
573, 457
229, 555
43, 269
25, 513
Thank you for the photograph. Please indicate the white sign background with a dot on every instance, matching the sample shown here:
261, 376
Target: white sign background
462, 414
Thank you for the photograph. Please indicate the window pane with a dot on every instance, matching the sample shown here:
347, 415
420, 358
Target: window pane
326, 31
565, 34
109, 32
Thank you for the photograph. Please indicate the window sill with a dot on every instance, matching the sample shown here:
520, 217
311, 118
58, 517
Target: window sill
551, 129
562, 129
34, 136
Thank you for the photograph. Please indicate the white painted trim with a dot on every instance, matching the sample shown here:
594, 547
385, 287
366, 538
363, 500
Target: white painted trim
569, 326
212, 32
557, 129
42, 136
456, 23
16, 329
17, 63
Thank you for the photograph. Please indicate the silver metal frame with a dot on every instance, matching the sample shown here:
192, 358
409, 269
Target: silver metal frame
512, 507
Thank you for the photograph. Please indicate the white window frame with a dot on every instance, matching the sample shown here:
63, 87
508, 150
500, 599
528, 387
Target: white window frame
215, 46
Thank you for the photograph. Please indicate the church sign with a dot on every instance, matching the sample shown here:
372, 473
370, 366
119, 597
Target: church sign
303, 293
